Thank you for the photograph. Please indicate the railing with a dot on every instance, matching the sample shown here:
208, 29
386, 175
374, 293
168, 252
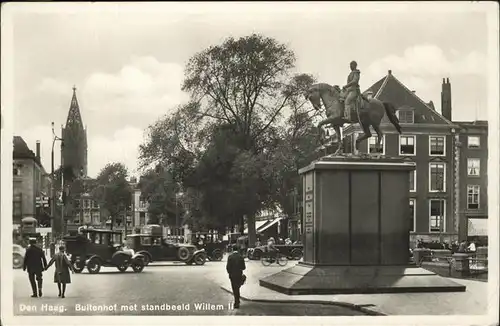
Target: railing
454, 266
478, 265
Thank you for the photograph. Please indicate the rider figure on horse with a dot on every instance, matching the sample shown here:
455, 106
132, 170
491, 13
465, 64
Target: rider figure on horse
351, 90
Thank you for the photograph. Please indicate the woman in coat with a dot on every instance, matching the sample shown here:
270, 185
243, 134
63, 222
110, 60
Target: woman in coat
61, 274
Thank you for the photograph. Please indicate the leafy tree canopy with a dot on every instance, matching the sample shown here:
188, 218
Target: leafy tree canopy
236, 146
112, 190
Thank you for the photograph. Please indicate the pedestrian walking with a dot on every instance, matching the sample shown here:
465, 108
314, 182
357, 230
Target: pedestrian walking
235, 267
35, 262
61, 274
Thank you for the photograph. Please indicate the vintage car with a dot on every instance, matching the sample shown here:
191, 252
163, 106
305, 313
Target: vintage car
290, 251
18, 253
156, 248
211, 242
93, 248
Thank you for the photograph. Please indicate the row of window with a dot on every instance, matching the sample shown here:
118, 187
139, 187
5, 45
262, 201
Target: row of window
437, 178
407, 145
437, 174
87, 203
437, 210
437, 215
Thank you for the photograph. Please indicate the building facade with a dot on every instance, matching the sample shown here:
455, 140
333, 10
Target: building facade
140, 214
79, 207
428, 139
30, 182
473, 181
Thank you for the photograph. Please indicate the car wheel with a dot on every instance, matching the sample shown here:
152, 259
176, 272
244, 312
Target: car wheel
122, 267
217, 255
257, 254
183, 253
78, 266
146, 260
199, 259
297, 254
94, 266
17, 260
137, 266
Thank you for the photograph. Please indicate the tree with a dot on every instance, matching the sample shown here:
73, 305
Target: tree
160, 190
296, 146
112, 190
240, 83
221, 143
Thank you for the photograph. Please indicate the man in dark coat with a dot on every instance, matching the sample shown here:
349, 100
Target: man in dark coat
235, 267
35, 262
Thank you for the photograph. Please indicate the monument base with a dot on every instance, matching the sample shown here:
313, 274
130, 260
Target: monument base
306, 279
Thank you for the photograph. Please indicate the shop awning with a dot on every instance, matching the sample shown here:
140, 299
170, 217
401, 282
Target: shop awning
275, 221
478, 227
258, 225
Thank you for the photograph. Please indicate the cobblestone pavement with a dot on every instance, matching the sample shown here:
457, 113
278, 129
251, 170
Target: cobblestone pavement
164, 289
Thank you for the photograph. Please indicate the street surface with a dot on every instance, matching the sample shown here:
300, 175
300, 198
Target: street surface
161, 289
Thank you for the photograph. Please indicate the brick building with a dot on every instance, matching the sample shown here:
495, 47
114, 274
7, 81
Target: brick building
431, 141
473, 180
29, 182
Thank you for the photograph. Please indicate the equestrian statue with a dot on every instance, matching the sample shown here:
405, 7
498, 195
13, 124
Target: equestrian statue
348, 105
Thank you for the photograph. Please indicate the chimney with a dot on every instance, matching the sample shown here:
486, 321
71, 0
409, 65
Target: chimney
446, 99
37, 150
413, 92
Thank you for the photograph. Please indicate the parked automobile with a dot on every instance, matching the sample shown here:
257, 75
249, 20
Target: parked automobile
157, 248
211, 242
290, 251
93, 248
18, 253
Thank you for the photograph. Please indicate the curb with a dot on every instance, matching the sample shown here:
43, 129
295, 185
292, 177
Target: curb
361, 308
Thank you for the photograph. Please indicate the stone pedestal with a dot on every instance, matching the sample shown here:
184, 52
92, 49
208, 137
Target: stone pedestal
356, 231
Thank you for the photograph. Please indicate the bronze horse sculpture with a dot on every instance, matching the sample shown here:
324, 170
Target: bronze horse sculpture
370, 113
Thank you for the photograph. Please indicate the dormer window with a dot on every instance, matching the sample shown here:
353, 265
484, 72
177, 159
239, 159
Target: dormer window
406, 116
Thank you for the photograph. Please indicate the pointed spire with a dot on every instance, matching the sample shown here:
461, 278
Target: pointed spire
74, 116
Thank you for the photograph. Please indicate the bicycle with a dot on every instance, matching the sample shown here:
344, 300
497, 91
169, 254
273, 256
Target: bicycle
267, 259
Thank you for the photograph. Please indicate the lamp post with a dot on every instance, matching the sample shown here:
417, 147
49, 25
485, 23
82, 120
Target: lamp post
52, 193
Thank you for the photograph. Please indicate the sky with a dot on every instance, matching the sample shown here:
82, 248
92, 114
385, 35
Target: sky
127, 60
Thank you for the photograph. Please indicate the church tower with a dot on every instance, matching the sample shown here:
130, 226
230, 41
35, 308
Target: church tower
74, 147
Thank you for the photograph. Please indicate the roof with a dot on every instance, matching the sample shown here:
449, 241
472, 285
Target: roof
100, 231
475, 124
390, 89
22, 151
74, 115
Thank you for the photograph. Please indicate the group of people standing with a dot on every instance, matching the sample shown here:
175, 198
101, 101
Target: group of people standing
35, 264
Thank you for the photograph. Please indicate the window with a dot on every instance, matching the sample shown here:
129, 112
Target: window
96, 218
405, 116
473, 166
17, 202
95, 204
437, 145
372, 141
412, 215
413, 180
473, 142
472, 197
406, 145
16, 170
87, 217
437, 218
437, 177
